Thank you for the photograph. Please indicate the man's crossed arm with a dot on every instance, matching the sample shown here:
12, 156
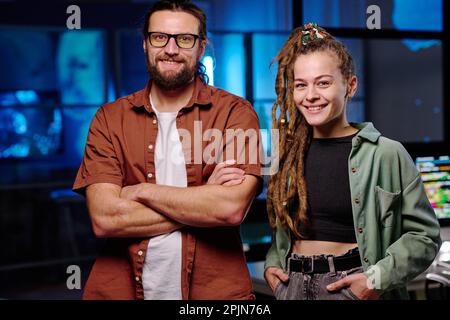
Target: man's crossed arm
146, 210
199, 206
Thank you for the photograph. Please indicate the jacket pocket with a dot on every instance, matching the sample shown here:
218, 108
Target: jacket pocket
388, 204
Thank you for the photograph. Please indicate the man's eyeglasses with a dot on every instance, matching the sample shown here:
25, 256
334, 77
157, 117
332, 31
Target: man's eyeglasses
183, 40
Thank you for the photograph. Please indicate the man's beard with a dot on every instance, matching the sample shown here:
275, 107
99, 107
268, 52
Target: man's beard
171, 81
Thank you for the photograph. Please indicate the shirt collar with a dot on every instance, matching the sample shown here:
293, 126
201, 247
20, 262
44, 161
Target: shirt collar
201, 96
367, 131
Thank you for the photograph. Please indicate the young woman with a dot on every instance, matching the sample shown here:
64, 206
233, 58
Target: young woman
350, 216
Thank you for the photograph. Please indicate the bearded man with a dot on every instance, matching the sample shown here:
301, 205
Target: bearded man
171, 218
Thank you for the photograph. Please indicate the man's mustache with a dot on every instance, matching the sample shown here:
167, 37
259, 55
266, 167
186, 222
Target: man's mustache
168, 58
165, 57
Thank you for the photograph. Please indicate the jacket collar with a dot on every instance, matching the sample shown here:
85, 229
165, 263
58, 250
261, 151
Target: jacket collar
367, 131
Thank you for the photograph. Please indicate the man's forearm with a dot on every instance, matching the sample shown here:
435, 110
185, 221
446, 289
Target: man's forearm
113, 216
201, 206
134, 219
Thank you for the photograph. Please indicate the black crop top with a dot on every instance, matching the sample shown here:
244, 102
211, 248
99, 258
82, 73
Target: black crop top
329, 200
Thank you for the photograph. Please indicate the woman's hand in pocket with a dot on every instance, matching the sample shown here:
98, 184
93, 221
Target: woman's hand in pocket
273, 276
357, 283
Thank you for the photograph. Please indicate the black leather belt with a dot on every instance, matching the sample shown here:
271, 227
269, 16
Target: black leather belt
321, 264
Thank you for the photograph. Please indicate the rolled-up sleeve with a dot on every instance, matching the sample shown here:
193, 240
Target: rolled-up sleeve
243, 140
100, 163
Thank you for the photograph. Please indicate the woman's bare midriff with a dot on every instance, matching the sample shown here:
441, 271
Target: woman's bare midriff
314, 247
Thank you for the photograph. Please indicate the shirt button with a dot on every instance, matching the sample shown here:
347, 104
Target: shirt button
140, 253
150, 175
366, 260
137, 279
150, 147
155, 121
360, 230
356, 200
354, 170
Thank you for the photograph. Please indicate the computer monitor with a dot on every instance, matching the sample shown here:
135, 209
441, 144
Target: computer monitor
435, 174
56, 80
52, 60
30, 132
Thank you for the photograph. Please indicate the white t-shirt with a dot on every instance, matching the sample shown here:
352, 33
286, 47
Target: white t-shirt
161, 274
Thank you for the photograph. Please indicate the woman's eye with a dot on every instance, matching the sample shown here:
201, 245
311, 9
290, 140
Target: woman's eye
324, 83
300, 85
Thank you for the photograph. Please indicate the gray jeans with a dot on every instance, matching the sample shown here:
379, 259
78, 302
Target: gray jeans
303, 286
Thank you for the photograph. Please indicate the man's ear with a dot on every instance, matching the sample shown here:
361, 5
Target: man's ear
144, 45
352, 86
203, 44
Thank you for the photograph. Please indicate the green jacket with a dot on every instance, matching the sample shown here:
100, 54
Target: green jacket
396, 229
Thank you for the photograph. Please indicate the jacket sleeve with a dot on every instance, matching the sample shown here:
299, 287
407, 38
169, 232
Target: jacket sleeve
273, 257
415, 250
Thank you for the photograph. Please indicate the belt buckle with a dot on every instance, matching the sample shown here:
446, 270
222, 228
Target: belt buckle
311, 270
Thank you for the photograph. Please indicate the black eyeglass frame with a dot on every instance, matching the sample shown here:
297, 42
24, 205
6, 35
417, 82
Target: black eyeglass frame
169, 36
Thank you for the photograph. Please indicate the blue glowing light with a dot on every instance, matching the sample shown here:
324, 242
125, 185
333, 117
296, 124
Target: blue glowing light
27, 96
416, 45
208, 62
417, 15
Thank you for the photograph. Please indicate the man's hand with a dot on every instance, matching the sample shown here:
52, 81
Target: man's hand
358, 285
223, 175
273, 276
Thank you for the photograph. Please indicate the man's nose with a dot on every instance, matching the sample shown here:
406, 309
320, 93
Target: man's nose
171, 47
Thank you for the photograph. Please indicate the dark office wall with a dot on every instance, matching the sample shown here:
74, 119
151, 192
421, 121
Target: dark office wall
406, 93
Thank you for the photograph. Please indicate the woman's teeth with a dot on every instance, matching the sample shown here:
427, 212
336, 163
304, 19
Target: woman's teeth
316, 108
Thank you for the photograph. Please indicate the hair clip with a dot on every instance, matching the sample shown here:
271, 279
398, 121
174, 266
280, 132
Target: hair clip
312, 31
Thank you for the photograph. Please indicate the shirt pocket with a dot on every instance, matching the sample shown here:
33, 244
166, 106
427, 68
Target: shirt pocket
388, 205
